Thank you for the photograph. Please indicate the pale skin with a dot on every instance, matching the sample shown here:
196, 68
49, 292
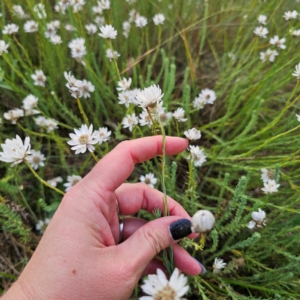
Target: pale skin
79, 256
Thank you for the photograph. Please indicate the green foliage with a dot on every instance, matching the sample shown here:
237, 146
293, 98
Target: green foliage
12, 222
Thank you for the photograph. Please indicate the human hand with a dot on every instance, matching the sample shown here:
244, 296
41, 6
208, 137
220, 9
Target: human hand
79, 256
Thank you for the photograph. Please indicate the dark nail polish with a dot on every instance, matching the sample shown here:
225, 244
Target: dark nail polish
203, 269
180, 229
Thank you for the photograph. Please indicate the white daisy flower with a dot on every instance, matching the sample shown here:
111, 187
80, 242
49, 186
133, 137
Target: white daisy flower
258, 219
70, 27
55, 39
18, 11
202, 221
130, 121
193, 134
51, 30
149, 179
149, 97
218, 265
161, 115
145, 119
31, 26
29, 103
261, 31
298, 117
10, 29
99, 21
140, 21
103, 135
111, 54
295, 32
289, 15
267, 174
39, 78
297, 71
126, 97
74, 85
124, 84
86, 88
208, 96
77, 5
268, 55
133, 15
55, 23
15, 151
36, 159
278, 42
48, 124
40, 121
199, 102
97, 9
105, 4
54, 181
159, 19
72, 180
61, 7
178, 114
262, 19
40, 11
13, 115
3, 47
270, 187
77, 47
159, 287
42, 225
83, 139
91, 29
197, 156
108, 32
126, 28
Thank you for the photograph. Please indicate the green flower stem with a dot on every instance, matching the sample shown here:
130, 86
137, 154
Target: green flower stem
85, 118
191, 181
38, 133
114, 59
153, 127
163, 167
95, 156
42, 180
158, 46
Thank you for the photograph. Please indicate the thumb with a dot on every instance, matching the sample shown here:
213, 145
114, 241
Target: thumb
150, 239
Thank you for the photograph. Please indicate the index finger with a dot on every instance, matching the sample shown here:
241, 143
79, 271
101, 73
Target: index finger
114, 168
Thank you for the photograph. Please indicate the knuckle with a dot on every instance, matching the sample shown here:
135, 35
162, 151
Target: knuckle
155, 240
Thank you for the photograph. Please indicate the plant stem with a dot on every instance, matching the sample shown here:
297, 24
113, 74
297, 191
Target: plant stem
42, 180
85, 118
163, 167
95, 156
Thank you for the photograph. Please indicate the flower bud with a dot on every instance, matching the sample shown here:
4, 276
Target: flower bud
202, 221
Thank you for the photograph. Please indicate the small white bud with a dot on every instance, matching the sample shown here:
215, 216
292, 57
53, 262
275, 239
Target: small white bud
203, 221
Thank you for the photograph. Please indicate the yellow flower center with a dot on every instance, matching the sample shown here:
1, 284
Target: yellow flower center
36, 159
83, 139
167, 293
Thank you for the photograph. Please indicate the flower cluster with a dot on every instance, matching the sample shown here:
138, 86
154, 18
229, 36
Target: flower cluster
78, 88
206, 96
84, 138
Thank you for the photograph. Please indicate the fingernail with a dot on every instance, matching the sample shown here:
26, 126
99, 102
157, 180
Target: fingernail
180, 229
203, 269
